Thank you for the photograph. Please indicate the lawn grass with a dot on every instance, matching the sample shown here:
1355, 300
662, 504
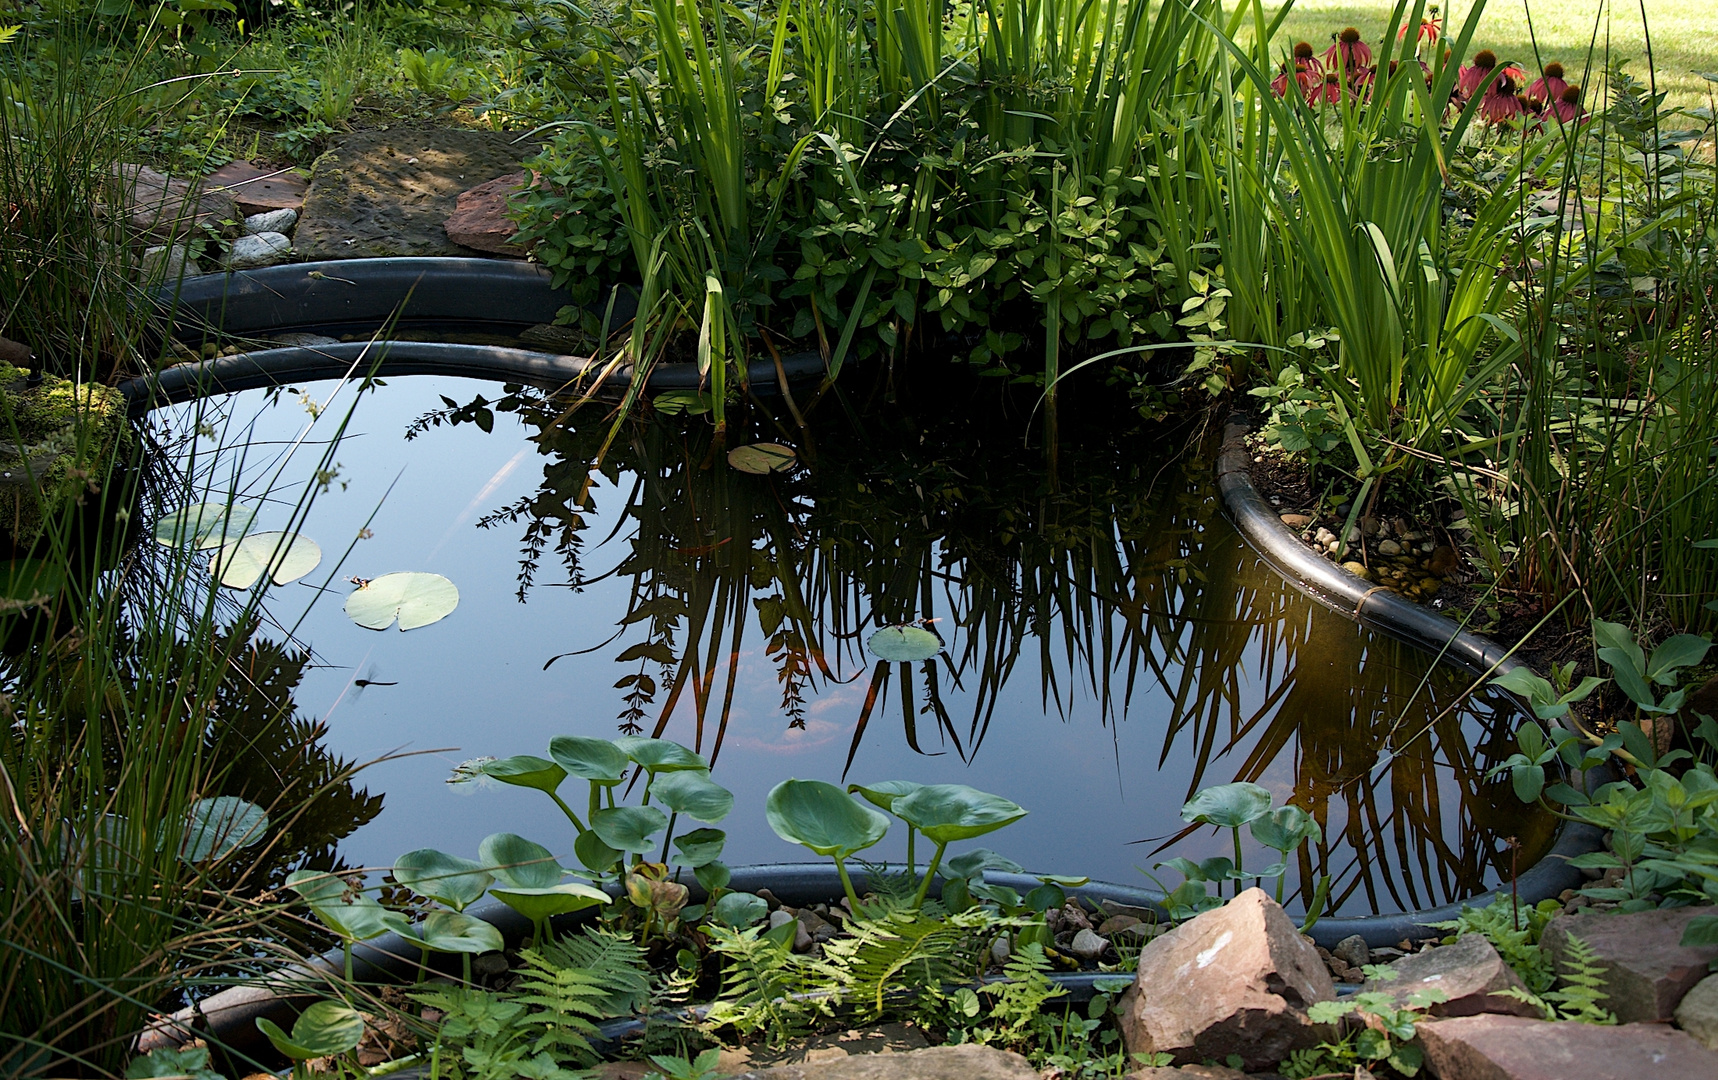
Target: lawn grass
1564, 30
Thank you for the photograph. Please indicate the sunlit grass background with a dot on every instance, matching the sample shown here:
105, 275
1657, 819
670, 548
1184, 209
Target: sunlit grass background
1684, 35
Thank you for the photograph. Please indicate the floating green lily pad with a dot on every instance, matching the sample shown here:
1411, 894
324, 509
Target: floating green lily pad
415, 598
761, 459
221, 826
285, 557
207, 525
905, 643
690, 402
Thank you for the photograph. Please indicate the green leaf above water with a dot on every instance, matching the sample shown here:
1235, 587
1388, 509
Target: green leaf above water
1228, 805
455, 881
739, 909
629, 828
220, 826
905, 643
205, 525
822, 817
415, 598
760, 459
660, 755
323, 1030
454, 932
285, 557
347, 912
949, 812
518, 862
693, 793
597, 760
526, 770
883, 793
700, 847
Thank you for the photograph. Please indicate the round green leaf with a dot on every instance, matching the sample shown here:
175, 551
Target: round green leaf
1284, 828
1228, 805
350, 914
323, 1030
712, 876
694, 794
905, 643
206, 525
972, 864
519, 863
949, 812
700, 847
453, 932
417, 599
526, 770
454, 881
544, 903
221, 826
660, 755
823, 818
883, 793
760, 459
740, 909
598, 760
629, 828
593, 854
283, 556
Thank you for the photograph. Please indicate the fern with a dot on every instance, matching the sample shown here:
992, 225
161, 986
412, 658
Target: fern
901, 951
614, 961
1019, 1018
564, 1002
761, 986
1514, 933
1583, 989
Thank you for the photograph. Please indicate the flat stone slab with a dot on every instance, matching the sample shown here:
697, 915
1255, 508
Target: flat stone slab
389, 193
164, 208
1647, 971
1698, 1013
1469, 970
257, 190
1516, 1048
479, 220
966, 1062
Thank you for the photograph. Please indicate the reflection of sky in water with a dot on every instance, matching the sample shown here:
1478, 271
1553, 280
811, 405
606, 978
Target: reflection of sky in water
475, 683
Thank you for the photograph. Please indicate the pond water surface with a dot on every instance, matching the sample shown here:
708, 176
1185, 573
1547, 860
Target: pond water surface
1111, 644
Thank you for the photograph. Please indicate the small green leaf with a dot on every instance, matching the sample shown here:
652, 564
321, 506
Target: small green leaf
454, 881
1285, 828
700, 847
905, 643
416, 599
1701, 932
325, 1029
454, 932
167, 1063
593, 854
597, 760
883, 793
206, 525
971, 864
760, 459
221, 826
740, 910
712, 876
629, 828
949, 812
823, 818
519, 863
660, 755
526, 770
349, 913
1228, 805
693, 793
544, 903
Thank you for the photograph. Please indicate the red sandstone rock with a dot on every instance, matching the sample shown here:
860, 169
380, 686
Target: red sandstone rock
163, 208
1515, 1048
1469, 971
1646, 968
257, 191
479, 219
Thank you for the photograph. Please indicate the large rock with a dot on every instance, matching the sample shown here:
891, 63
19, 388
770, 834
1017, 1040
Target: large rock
479, 219
1235, 980
1516, 1048
1469, 971
257, 191
1698, 1012
163, 208
383, 193
967, 1062
1186, 1072
1647, 970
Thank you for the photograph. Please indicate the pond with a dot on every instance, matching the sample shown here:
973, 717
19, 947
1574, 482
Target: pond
1111, 645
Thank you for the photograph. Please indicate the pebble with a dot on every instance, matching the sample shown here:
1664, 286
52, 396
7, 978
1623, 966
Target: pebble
1352, 951
1358, 570
780, 917
263, 249
275, 221
1000, 950
489, 964
1389, 547
1296, 521
168, 264
1087, 945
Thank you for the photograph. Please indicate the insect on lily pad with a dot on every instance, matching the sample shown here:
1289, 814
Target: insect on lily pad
905, 643
763, 458
416, 598
285, 557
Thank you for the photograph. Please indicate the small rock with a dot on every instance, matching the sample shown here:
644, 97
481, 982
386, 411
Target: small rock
479, 219
1698, 1013
1187, 1072
1389, 547
1296, 521
1117, 923
780, 917
1074, 917
1000, 950
279, 221
819, 928
769, 898
965, 1062
1647, 970
303, 340
1469, 971
263, 249
15, 353
1087, 945
1430, 586
802, 941
255, 190
1369, 526
162, 207
167, 263
489, 964
1515, 1048
1358, 570
1352, 951
1323, 535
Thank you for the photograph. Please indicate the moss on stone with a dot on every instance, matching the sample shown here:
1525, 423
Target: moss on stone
58, 441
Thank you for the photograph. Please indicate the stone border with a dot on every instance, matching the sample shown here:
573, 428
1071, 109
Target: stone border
1281, 549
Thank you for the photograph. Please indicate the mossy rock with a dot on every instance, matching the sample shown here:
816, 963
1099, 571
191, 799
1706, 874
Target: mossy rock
58, 444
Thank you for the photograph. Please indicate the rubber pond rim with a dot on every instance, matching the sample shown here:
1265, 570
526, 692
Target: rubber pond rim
421, 294
1355, 597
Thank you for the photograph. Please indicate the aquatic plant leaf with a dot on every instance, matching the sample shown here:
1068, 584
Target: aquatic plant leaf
763, 458
349, 913
593, 854
171, 1064
206, 525
220, 826
1228, 805
549, 901
416, 598
883, 793
660, 755
713, 876
1284, 828
905, 643
949, 812
323, 1030
454, 932
693, 793
455, 881
971, 864
285, 557
526, 770
629, 828
700, 847
823, 818
740, 910
598, 760
519, 863
26, 580
690, 402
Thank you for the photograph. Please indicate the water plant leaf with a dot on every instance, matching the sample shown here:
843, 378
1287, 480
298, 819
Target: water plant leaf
206, 525
597, 760
1284, 828
629, 828
548, 901
700, 847
883, 793
740, 909
526, 770
905, 643
823, 818
713, 876
171, 1064
455, 881
26, 580
285, 557
763, 458
220, 826
347, 912
693, 793
593, 854
971, 864
519, 863
1228, 805
415, 598
660, 755
323, 1030
690, 402
455, 932
949, 812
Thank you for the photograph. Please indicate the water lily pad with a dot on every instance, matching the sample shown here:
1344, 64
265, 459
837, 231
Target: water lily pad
551, 900
455, 881
518, 862
971, 864
206, 525
526, 770
713, 876
416, 598
220, 826
347, 912
690, 402
693, 793
905, 643
1228, 805
323, 1030
949, 812
660, 755
285, 557
740, 909
883, 793
763, 458
453, 932
823, 818
597, 760
700, 847
629, 828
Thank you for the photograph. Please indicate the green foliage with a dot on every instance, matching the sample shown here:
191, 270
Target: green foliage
192, 1064
1018, 1014
1580, 989
703, 1067
325, 1029
1389, 1035
764, 986
906, 951
1513, 932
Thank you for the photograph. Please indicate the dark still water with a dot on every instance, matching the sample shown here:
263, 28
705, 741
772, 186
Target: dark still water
1112, 646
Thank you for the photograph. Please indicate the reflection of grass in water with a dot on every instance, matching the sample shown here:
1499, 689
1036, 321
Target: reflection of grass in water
1101, 582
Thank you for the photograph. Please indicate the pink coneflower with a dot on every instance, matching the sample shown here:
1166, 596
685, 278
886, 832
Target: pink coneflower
1349, 50
1567, 106
1303, 55
1549, 86
1331, 91
1500, 103
1471, 80
1431, 27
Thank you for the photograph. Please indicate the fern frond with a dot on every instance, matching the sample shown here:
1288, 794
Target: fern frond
613, 961
762, 986
563, 1002
900, 952
1583, 979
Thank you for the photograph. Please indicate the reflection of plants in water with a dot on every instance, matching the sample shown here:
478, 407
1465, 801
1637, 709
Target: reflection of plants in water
1115, 581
